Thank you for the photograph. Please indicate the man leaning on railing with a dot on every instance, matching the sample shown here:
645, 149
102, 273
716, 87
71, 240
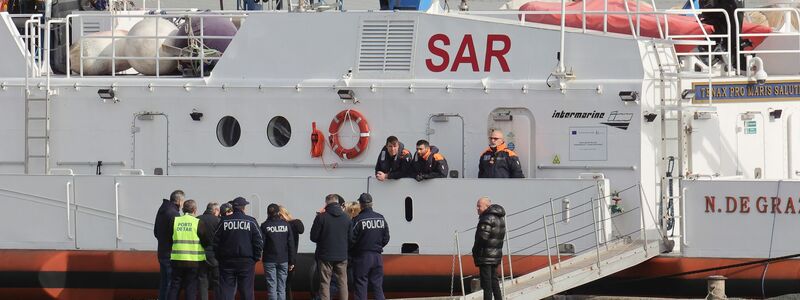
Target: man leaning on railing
487, 252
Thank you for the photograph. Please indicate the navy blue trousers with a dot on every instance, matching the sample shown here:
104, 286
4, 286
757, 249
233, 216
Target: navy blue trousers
165, 270
237, 277
368, 273
183, 279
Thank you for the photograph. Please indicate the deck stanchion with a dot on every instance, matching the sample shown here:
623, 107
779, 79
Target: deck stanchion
116, 212
69, 223
643, 228
460, 264
555, 230
596, 233
549, 259
508, 249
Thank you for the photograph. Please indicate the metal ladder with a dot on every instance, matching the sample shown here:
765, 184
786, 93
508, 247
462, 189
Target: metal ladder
674, 142
37, 130
675, 125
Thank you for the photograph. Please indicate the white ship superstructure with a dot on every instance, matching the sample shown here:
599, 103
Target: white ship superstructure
624, 139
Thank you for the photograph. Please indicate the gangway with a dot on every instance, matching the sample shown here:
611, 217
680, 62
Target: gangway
579, 270
574, 272
599, 258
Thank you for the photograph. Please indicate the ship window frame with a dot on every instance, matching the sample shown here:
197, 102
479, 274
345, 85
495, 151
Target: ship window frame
229, 140
273, 129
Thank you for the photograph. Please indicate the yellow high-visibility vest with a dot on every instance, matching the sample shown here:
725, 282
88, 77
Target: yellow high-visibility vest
185, 242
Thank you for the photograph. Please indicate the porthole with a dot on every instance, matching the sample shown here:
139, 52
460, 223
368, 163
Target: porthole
279, 131
228, 131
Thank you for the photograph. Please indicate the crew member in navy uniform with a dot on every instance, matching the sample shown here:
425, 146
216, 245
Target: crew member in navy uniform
238, 244
169, 210
487, 252
498, 161
278, 252
394, 162
370, 235
428, 162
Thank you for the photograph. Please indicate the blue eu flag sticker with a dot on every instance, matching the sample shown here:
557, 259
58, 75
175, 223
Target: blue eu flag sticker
574, 132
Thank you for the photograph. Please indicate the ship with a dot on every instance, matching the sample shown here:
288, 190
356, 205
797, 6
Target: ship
658, 150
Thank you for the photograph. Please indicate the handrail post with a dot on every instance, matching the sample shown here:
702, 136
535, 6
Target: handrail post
69, 223
549, 259
583, 16
67, 68
555, 230
605, 16
113, 48
203, 43
158, 49
508, 249
460, 264
116, 211
643, 227
561, 68
596, 234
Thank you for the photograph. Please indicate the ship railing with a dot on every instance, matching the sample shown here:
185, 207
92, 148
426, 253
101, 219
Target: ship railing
196, 55
790, 14
541, 235
707, 40
31, 41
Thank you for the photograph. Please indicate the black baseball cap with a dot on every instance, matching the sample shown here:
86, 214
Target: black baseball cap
365, 198
239, 201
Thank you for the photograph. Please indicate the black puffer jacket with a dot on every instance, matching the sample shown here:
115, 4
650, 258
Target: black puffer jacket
489, 236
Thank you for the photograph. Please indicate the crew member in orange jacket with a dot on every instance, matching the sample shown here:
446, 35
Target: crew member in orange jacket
498, 161
428, 162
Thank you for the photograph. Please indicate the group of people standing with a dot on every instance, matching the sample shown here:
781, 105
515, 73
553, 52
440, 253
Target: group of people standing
395, 162
219, 249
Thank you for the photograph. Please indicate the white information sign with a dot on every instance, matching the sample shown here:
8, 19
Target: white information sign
588, 143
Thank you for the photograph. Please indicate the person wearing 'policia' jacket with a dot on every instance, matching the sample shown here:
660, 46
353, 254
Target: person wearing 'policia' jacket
238, 245
279, 252
370, 235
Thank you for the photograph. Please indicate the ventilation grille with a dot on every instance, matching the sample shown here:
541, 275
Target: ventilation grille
90, 27
386, 45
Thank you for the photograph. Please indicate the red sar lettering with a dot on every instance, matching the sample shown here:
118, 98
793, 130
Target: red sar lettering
466, 53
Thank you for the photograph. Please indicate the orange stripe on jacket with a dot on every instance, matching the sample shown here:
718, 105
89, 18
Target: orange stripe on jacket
502, 148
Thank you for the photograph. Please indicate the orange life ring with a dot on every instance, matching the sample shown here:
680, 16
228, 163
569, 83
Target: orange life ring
336, 125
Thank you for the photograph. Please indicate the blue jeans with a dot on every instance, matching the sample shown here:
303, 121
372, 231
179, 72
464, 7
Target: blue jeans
165, 268
276, 280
